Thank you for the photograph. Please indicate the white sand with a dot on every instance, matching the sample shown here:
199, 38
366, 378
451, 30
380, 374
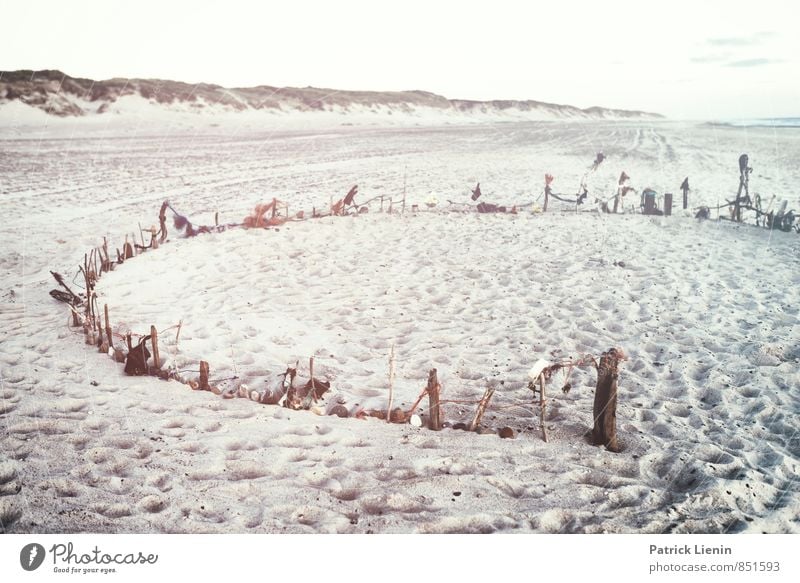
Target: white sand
707, 313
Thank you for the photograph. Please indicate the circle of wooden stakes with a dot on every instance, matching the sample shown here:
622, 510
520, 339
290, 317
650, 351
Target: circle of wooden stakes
84, 313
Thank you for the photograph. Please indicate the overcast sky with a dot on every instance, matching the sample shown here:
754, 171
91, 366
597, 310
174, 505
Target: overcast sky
685, 59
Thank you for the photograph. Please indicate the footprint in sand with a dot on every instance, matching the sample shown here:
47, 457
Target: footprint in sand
9, 485
152, 504
112, 510
511, 488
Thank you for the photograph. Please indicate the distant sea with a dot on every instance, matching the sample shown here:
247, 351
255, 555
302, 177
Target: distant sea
770, 122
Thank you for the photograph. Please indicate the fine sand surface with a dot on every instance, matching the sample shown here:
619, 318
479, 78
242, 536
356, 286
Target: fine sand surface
707, 314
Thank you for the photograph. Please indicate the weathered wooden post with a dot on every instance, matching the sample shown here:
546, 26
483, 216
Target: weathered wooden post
108, 328
203, 383
105, 263
667, 204
685, 189
434, 409
162, 220
391, 386
542, 407
649, 203
154, 340
604, 431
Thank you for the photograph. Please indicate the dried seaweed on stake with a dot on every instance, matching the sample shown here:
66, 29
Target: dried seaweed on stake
542, 371
273, 397
303, 397
257, 219
337, 208
162, 221
349, 199
136, 363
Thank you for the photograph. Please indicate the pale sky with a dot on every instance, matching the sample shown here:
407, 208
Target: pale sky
686, 59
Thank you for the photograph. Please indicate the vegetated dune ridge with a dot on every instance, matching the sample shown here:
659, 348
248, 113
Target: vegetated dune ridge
707, 313
26, 95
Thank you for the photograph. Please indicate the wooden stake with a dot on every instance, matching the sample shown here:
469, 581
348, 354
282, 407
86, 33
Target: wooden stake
108, 328
391, 385
141, 233
542, 407
162, 220
476, 421
604, 431
106, 264
154, 340
434, 410
180, 324
309, 398
203, 385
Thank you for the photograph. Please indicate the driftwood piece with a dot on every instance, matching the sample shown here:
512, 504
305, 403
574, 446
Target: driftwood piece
391, 384
61, 296
476, 192
106, 264
434, 408
154, 341
60, 279
162, 220
108, 327
604, 431
476, 420
542, 407
350, 197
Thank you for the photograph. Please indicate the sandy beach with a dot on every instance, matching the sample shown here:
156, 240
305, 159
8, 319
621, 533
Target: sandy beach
706, 312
